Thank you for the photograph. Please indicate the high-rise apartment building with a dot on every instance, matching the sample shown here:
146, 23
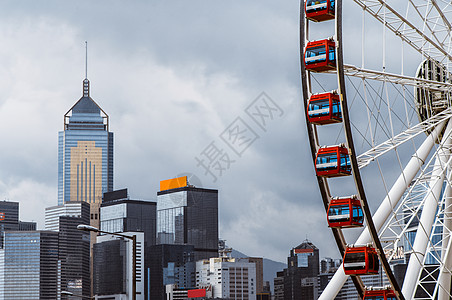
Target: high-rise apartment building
230, 278
73, 245
259, 262
85, 154
29, 265
188, 215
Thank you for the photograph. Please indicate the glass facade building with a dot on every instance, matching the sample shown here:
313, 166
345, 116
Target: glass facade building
29, 265
9, 215
9, 219
109, 267
120, 214
85, 154
170, 264
113, 267
189, 215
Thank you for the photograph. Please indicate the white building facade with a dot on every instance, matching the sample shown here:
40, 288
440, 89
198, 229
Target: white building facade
230, 278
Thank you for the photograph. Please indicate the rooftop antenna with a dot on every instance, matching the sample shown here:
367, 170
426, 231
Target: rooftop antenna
86, 81
86, 59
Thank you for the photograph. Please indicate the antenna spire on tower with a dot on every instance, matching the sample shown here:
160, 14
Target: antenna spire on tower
86, 81
86, 59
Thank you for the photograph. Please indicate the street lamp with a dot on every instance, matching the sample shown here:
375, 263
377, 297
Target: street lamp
75, 295
134, 250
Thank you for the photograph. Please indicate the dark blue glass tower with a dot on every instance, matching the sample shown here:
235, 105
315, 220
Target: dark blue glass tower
85, 155
85, 152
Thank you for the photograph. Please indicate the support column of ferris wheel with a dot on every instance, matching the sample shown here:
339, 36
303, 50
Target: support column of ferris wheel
444, 278
387, 206
428, 215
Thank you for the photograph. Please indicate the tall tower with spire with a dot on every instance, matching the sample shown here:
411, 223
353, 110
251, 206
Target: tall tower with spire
85, 154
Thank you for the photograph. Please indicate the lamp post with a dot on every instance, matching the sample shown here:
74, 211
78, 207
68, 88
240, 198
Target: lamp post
134, 252
75, 295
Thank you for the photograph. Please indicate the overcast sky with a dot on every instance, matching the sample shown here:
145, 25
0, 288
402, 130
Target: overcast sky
176, 79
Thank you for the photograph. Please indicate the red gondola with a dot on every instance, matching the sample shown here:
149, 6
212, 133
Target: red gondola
333, 161
361, 261
379, 294
320, 56
345, 212
319, 10
324, 109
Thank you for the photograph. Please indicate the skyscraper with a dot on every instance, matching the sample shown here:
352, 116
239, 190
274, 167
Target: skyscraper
299, 279
119, 213
113, 267
73, 246
188, 215
29, 265
85, 154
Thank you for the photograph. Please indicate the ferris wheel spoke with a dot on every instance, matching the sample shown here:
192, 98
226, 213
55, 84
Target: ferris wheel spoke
403, 28
435, 20
431, 85
370, 155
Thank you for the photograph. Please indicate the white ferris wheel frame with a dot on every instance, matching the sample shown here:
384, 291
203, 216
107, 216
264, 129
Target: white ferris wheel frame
432, 42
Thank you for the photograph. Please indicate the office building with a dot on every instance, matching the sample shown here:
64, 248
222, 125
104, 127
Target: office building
230, 278
85, 154
170, 264
73, 245
9, 219
29, 265
299, 280
9, 215
69, 209
188, 215
120, 214
113, 266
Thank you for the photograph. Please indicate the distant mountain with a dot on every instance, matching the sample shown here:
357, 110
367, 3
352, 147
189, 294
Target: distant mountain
270, 267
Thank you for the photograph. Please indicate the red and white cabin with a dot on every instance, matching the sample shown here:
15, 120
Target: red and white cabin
333, 161
345, 212
324, 109
361, 261
320, 56
320, 10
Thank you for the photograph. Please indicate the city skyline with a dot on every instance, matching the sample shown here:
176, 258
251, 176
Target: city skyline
171, 91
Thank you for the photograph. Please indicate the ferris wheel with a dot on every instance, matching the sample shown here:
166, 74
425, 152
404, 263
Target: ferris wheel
377, 86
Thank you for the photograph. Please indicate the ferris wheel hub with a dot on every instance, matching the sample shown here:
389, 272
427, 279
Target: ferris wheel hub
430, 102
